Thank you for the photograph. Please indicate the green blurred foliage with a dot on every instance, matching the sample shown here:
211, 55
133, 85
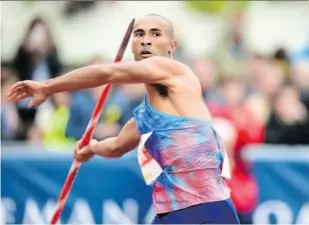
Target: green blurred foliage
217, 7
29, 3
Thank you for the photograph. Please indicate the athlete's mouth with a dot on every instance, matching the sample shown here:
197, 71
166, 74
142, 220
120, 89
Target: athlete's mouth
146, 53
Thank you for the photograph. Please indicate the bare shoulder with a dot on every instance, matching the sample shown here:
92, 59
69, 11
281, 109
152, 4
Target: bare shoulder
172, 66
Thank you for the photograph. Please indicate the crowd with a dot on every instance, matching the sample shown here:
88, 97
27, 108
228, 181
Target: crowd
253, 98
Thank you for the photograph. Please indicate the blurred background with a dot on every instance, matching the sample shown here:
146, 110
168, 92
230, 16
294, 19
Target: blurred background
252, 59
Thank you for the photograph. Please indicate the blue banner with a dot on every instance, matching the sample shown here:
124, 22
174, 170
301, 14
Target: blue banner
283, 179
105, 191
113, 190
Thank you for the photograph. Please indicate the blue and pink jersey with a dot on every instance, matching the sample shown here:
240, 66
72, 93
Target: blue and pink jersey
190, 155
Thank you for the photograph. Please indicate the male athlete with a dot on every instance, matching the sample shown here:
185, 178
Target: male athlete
180, 153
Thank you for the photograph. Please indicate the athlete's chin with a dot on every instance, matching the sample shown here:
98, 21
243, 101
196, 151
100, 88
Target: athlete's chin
146, 56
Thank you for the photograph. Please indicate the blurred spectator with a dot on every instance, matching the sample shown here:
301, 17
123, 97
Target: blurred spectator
232, 53
113, 115
249, 127
266, 79
289, 121
255, 66
299, 61
300, 78
10, 122
134, 94
281, 59
34, 135
74, 7
205, 69
54, 136
36, 59
81, 108
118, 109
122, 102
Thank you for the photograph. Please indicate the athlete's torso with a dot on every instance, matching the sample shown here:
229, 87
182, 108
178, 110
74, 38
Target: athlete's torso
189, 152
182, 96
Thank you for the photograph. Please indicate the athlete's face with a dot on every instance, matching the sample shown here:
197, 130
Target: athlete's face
152, 36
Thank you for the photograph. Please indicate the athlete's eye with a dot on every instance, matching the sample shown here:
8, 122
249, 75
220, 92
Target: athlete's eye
138, 34
156, 34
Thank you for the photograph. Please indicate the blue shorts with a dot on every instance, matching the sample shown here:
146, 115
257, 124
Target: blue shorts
220, 212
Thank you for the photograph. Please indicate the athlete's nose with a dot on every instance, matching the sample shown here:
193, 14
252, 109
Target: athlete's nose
146, 41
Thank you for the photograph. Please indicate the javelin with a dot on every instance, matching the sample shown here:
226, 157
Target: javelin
87, 136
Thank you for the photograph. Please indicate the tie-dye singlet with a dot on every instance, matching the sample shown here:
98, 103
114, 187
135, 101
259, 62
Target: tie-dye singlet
189, 152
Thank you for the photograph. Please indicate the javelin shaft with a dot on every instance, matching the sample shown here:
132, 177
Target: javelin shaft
85, 140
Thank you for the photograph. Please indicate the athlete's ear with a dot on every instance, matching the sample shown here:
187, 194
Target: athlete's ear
173, 46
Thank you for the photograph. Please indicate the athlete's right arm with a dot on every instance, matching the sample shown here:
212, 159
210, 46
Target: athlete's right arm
113, 147
152, 70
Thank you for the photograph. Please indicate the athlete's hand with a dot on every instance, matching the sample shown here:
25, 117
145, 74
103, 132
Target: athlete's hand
86, 153
28, 88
